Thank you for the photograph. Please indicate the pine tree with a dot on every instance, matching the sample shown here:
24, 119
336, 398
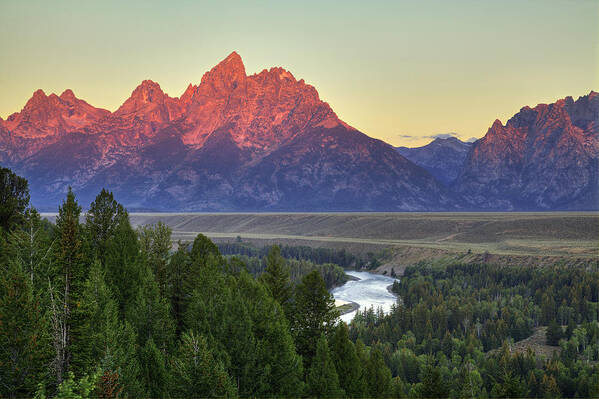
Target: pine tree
66, 286
273, 366
121, 356
509, 384
554, 333
275, 350
101, 221
276, 277
197, 373
99, 315
314, 314
204, 252
570, 328
106, 341
154, 373
378, 375
432, 385
398, 388
204, 259
347, 363
123, 264
179, 265
25, 346
31, 245
14, 199
150, 313
322, 377
155, 243
470, 382
241, 344
549, 387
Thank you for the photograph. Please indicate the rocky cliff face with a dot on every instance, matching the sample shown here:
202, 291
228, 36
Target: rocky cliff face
233, 142
443, 157
268, 142
544, 158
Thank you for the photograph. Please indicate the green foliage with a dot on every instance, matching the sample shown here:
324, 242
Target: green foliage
24, 342
314, 314
150, 313
101, 221
198, 373
333, 275
204, 252
177, 274
155, 243
31, 246
347, 363
123, 264
144, 321
14, 198
450, 315
432, 385
322, 377
154, 373
276, 277
69, 274
554, 333
106, 340
470, 382
378, 375
72, 388
318, 256
249, 331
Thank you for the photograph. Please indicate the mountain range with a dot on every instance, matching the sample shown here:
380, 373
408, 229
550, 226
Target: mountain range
442, 157
267, 142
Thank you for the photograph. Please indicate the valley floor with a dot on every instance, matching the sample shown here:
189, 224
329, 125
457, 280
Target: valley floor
538, 238
535, 238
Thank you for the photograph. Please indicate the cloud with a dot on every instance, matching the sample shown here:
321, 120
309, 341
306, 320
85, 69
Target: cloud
431, 137
471, 140
408, 137
443, 136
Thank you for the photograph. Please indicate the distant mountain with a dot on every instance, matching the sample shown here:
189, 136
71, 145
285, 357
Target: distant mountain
544, 158
443, 157
267, 142
233, 142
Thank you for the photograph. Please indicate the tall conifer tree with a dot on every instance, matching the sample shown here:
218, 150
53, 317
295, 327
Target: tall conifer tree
322, 378
314, 314
66, 287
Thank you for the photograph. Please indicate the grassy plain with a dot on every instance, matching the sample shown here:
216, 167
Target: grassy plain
536, 238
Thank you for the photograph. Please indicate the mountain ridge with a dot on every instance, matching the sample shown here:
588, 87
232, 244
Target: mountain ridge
544, 157
442, 157
230, 143
267, 141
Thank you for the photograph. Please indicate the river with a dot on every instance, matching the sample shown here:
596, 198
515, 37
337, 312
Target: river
370, 290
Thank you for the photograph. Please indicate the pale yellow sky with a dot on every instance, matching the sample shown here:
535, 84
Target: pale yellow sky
399, 71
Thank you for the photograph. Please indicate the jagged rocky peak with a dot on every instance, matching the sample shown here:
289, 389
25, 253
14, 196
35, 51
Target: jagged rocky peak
187, 95
148, 91
148, 102
50, 115
543, 158
227, 74
267, 141
68, 96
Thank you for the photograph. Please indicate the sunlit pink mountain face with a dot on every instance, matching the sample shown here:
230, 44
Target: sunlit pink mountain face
268, 142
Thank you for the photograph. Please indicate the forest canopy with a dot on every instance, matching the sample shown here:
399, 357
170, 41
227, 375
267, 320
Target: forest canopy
91, 307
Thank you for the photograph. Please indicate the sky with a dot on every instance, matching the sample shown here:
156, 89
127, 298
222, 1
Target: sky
400, 71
